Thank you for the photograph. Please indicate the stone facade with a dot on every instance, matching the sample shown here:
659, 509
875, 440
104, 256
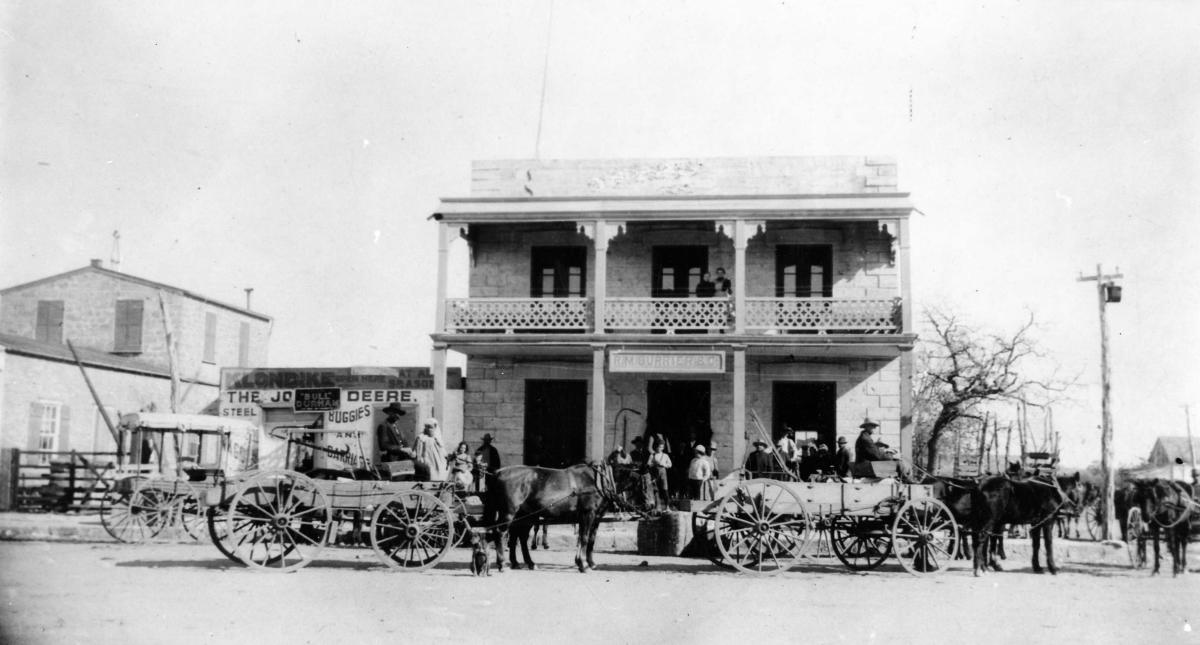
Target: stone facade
495, 393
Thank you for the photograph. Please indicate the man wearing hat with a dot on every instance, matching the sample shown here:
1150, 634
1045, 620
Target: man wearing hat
761, 462
699, 472
388, 437
866, 449
487, 460
841, 459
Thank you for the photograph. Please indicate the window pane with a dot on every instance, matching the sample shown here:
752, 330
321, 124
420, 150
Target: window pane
817, 283
548, 282
575, 282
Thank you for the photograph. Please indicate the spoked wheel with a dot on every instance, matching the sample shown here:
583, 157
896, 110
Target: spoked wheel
762, 527
1135, 534
278, 521
924, 536
1093, 516
189, 511
412, 530
133, 512
861, 543
704, 535
216, 517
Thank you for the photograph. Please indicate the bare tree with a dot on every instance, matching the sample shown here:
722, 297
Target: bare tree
964, 369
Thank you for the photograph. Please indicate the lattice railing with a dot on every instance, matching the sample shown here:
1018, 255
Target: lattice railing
668, 314
518, 314
830, 315
823, 314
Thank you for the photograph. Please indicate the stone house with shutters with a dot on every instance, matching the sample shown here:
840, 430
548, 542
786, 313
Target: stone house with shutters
116, 323
583, 326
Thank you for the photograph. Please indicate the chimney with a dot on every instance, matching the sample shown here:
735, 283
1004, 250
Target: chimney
98, 263
248, 291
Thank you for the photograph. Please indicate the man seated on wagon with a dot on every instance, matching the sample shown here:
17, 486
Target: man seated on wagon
761, 463
867, 451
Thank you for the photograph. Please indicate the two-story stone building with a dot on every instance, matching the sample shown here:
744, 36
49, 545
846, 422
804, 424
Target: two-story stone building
582, 325
116, 323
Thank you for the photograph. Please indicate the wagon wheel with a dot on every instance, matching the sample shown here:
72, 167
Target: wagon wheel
1135, 535
216, 517
704, 535
1093, 516
132, 512
278, 521
189, 511
412, 530
762, 527
924, 536
861, 543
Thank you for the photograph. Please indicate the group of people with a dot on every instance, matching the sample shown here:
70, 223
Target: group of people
709, 288
692, 473
814, 461
428, 455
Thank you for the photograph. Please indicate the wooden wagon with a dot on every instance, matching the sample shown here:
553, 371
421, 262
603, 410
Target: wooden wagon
762, 526
174, 460
280, 520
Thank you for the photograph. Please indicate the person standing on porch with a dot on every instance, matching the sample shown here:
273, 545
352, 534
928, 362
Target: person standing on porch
660, 464
699, 472
430, 453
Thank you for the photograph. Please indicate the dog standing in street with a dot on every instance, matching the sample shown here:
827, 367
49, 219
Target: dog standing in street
481, 565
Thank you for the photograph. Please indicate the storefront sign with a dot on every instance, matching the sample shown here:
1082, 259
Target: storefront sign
666, 362
317, 399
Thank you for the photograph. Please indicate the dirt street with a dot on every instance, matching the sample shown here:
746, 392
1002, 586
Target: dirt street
182, 593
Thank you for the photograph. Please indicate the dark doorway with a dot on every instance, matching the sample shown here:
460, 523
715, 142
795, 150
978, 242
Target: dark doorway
555, 423
677, 408
808, 407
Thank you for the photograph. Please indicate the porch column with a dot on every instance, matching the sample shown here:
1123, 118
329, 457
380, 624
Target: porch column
739, 405
739, 279
601, 279
438, 367
599, 394
443, 260
902, 259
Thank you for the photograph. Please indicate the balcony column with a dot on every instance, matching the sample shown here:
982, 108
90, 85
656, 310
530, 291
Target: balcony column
438, 367
906, 327
599, 394
601, 275
742, 232
902, 262
739, 407
443, 268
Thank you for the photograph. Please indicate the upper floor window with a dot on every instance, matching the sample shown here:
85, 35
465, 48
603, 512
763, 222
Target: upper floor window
244, 344
50, 321
803, 271
129, 326
558, 272
676, 270
210, 337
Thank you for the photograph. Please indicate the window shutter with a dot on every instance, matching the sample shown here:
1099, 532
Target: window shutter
35, 425
128, 326
64, 428
210, 337
244, 345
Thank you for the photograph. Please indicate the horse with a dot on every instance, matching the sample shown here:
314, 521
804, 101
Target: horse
1079, 494
518, 495
1165, 505
957, 493
1004, 500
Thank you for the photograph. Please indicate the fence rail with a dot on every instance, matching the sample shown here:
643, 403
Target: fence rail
44, 480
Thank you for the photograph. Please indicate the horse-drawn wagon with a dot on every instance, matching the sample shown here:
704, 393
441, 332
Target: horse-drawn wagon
280, 519
767, 525
174, 460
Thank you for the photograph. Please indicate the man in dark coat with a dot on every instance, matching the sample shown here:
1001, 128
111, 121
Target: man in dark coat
387, 436
866, 449
841, 459
760, 463
487, 460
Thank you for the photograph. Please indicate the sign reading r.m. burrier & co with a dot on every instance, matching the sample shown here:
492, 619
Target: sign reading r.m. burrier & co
622, 360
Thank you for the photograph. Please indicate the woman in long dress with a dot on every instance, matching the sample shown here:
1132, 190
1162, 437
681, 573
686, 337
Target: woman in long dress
461, 464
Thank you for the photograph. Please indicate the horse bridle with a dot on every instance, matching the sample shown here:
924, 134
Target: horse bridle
1160, 503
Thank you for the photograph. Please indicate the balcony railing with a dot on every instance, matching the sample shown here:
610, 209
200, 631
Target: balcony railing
645, 315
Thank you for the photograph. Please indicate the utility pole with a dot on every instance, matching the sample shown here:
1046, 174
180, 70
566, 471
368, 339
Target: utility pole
1187, 415
1107, 291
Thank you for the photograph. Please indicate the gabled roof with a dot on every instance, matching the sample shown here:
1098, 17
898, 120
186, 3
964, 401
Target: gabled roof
1176, 447
142, 281
90, 357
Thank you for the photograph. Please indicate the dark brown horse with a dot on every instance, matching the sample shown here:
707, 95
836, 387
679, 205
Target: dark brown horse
518, 495
1165, 506
1002, 500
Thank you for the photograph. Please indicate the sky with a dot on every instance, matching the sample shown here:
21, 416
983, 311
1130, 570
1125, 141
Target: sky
298, 148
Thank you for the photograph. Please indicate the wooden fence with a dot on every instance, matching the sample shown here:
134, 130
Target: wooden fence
39, 480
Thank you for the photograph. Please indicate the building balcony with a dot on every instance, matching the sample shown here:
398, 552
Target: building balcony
762, 316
